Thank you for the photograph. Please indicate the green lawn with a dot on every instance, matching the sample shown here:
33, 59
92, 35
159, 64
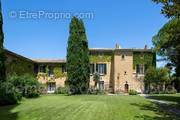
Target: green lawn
85, 107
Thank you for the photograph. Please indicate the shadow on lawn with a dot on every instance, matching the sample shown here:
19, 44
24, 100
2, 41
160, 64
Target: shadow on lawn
175, 99
7, 114
161, 113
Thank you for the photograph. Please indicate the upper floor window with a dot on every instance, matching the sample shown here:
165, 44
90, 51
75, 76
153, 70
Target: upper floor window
140, 69
63, 68
42, 68
100, 53
101, 68
91, 68
50, 70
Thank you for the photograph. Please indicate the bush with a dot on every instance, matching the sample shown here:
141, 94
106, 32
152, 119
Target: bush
174, 91
61, 90
133, 92
8, 94
26, 84
96, 91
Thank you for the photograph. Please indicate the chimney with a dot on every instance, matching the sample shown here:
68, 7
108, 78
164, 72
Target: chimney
145, 47
117, 46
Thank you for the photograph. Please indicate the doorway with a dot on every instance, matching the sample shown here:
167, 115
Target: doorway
51, 86
126, 88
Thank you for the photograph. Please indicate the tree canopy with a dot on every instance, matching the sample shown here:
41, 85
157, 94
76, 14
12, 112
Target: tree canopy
167, 42
170, 8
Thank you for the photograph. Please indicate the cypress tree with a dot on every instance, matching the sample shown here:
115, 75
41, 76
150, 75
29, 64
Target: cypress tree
77, 55
2, 54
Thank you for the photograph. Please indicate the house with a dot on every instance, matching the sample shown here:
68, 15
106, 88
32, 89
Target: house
120, 69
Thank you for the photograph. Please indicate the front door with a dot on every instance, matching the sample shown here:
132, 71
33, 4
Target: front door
51, 86
126, 88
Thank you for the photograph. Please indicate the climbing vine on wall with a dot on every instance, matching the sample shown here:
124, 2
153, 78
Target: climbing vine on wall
58, 73
19, 67
144, 58
106, 57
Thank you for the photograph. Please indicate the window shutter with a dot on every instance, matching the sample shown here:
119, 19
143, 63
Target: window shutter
137, 68
105, 70
97, 68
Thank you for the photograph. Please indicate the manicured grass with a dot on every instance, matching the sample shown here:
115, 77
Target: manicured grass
85, 107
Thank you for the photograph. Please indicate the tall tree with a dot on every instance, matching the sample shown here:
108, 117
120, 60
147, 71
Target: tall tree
77, 58
167, 40
2, 54
170, 8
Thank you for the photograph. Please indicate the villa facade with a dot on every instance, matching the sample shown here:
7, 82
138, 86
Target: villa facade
120, 69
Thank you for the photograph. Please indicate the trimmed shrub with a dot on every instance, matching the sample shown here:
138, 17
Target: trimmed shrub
61, 90
8, 94
133, 92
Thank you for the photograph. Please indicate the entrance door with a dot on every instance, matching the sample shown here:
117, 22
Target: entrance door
126, 88
101, 85
51, 87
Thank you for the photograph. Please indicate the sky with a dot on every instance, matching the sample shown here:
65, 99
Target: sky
131, 23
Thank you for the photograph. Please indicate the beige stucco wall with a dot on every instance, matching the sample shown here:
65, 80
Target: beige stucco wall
133, 80
122, 66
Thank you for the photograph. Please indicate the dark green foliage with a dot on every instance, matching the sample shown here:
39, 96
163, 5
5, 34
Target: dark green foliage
156, 79
2, 54
61, 90
78, 72
170, 8
26, 84
8, 94
132, 92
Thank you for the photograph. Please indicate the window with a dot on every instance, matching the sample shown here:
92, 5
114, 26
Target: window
140, 69
50, 70
42, 68
63, 68
101, 68
100, 53
122, 57
91, 68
